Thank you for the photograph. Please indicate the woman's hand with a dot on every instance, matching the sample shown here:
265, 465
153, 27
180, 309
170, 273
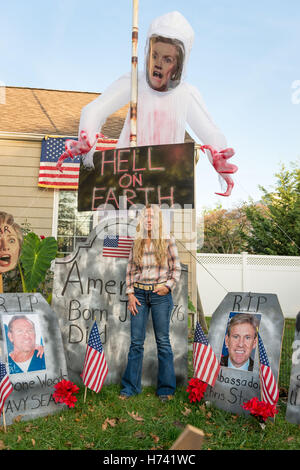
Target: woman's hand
132, 304
161, 290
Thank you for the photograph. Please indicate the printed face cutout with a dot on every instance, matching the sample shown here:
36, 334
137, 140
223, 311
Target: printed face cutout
164, 65
9, 248
240, 341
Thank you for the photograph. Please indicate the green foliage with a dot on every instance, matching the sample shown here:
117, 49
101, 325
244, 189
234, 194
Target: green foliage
275, 223
35, 259
270, 227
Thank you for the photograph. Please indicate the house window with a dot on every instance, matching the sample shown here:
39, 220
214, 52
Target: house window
73, 227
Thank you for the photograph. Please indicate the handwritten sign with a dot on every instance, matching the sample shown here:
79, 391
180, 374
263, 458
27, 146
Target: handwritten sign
161, 174
29, 317
89, 286
234, 386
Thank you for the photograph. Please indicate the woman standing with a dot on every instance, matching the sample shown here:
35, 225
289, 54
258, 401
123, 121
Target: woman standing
152, 271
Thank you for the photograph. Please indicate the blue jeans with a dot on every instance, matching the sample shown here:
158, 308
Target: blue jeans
161, 308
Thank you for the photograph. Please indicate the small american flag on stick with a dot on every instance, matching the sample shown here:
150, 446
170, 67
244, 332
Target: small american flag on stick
5, 385
206, 365
117, 247
94, 368
269, 388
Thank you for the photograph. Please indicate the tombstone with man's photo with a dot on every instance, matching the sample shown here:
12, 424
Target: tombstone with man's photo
293, 404
246, 335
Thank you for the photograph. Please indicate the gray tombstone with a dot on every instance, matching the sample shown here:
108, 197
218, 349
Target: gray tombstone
293, 405
88, 286
36, 325
234, 387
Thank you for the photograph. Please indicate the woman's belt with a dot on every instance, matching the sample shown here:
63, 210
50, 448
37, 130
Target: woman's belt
148, 286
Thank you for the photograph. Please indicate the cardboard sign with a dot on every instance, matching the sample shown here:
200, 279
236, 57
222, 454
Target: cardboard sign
90, 285
29, 327
234, 385
161, 174
293, 404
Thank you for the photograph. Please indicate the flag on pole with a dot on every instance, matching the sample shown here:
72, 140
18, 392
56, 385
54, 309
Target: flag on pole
5, 385
52, 148
94, 368
117, 247
269, 388
206, 365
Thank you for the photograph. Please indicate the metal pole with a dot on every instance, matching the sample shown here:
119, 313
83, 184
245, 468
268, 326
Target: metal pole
134, 76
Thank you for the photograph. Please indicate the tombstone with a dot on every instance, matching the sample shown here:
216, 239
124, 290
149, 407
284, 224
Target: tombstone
233, 386
293, 404
90, 284
32, 390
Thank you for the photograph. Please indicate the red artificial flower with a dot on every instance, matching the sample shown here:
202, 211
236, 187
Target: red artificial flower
42, 237
64, 393
196, 389
260, 409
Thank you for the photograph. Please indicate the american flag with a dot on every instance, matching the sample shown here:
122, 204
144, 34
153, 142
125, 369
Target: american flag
52, 148
206, 365
5, 385
117, 247
269, 388
94, 368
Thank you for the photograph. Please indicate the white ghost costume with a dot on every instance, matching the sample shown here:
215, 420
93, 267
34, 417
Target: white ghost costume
162, 116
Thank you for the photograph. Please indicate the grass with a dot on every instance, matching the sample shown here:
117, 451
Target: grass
105, 422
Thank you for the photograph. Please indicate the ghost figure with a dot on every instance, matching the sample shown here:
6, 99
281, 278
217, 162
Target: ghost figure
166, 103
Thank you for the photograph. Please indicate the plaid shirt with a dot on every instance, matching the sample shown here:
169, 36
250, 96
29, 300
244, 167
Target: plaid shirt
150, 272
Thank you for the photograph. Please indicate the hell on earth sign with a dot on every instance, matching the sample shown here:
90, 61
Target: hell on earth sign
160, 174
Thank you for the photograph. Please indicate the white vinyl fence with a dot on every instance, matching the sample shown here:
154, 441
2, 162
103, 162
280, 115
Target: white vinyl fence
218, 274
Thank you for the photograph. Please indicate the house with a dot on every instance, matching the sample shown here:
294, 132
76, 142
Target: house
27, 115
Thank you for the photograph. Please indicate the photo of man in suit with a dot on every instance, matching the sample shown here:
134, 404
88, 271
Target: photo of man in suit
240, 341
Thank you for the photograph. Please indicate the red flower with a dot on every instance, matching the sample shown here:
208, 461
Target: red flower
260, 409
196, 389
64, 393
42, 237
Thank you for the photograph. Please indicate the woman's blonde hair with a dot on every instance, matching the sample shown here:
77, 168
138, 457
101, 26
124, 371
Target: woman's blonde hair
158, 236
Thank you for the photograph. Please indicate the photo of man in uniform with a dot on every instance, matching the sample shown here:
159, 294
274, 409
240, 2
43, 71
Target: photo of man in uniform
26, 355
240, 341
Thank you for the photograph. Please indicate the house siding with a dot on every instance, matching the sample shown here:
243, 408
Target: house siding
19, 191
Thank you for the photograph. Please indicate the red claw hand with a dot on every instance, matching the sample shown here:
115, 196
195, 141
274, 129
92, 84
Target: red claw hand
221, 165
75, 147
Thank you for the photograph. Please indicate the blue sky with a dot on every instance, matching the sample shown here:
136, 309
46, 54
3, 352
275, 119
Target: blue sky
245, 60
